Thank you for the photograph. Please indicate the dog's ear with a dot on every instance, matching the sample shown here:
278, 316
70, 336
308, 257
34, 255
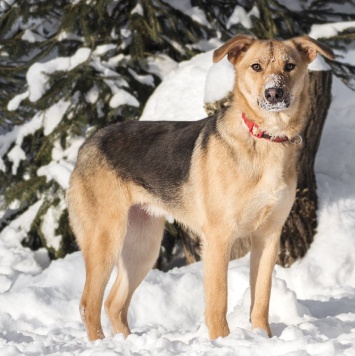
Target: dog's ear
308, 47
233, 48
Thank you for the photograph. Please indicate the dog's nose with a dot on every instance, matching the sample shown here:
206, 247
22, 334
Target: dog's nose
274, 95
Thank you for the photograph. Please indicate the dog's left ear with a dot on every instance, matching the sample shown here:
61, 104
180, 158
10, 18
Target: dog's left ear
234, 47
308, 47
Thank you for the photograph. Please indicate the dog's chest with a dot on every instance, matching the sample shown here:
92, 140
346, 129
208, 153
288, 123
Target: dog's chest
258, 203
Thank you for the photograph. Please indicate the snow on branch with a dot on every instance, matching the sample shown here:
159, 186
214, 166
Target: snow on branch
330, 29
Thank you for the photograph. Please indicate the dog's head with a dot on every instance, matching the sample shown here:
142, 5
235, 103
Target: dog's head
271, 74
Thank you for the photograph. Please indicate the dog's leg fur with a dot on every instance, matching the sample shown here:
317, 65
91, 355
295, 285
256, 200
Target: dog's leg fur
216, 254
264, 250
100, 255
139, 253
265, 243
100, 228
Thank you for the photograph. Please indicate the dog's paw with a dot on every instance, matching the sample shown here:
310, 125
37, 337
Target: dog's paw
261, 332
220, 331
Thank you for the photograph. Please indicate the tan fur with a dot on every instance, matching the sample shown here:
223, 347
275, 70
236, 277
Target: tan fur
240, 186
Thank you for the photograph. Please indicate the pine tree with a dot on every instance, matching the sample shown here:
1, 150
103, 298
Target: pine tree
112, 44
48, 104
105, 74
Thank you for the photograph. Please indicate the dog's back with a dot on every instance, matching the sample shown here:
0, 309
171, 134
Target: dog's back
154, 155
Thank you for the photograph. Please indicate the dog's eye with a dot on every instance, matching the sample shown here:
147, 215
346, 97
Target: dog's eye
290, 67
256, 67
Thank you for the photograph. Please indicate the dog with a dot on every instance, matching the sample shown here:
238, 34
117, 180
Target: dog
227, 176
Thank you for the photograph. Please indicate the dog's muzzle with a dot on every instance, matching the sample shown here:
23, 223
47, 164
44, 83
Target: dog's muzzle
274, 95
275, 99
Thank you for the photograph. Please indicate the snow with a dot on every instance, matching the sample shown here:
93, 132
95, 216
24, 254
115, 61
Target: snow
16, 135
184, 84
31, 37
161, 65
239, 15
122, 97
13, 234
37, 75
54, 115
192, 78
92, 95
192, 11
318, 64
222, 73
48, 119
29, 127
50, 224
16, 155
62, 164
138, 9
4, 4
16, 101
100, 50
38, 83
37, 78
329, 30
144, 79
56, 171
69, 36
312, 310
5, 143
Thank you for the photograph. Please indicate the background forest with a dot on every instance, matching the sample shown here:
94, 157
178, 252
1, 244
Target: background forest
70, 67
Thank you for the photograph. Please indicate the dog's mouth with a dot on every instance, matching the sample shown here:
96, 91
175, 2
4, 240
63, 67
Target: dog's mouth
275, 107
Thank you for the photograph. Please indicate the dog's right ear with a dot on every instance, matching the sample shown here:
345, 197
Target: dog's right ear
309, 47
234, 47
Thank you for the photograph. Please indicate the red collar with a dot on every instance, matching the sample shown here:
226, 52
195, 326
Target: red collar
256, 132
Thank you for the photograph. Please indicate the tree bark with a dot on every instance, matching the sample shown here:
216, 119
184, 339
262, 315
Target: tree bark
299, 229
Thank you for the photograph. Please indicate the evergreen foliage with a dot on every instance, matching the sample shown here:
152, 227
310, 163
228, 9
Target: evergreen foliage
110, 47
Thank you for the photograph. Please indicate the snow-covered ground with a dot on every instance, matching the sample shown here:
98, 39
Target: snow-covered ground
312, 303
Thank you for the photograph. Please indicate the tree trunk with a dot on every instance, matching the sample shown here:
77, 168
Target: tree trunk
299, 229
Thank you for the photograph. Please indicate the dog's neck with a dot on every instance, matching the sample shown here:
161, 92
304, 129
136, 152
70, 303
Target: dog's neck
288, 123
256, 132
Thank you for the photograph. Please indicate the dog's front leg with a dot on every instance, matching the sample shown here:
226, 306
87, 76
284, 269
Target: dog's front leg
264, 250
216, 255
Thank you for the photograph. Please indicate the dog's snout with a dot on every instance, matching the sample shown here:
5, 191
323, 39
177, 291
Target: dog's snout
274, 95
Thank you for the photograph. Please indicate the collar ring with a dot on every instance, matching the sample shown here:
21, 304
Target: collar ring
296, 140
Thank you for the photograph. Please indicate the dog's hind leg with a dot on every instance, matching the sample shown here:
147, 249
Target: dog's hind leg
98, 209
140, 252
100, 255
